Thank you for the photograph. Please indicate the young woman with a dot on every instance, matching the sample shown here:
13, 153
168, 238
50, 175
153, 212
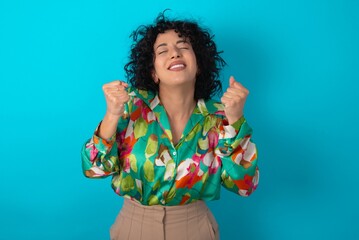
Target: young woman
167, 145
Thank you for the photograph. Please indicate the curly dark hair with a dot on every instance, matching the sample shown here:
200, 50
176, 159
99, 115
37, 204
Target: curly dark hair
141, 60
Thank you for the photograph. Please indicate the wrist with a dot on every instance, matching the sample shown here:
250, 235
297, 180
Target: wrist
108, 126
110, 117
232, 120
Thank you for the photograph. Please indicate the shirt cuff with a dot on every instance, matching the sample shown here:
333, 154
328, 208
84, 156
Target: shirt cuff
231, 130
103, 144
238, 124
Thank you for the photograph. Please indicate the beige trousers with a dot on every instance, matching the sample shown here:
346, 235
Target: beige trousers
193, 221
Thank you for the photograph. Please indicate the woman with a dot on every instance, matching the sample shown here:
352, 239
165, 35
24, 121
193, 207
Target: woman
167, 145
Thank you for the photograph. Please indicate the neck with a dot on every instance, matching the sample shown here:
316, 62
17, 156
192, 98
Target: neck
179, 103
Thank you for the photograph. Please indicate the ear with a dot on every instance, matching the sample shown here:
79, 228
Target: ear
155, 77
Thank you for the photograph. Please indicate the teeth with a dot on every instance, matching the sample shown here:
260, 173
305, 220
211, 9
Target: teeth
177, 66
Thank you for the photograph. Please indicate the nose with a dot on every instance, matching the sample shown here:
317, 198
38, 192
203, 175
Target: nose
176, 53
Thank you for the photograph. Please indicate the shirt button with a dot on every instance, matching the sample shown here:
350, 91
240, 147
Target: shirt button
174, 153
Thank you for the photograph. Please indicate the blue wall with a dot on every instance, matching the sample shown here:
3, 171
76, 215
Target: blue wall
300, 60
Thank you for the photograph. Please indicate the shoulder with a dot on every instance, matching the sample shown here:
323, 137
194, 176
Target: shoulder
139, 95
135, 92
212, 107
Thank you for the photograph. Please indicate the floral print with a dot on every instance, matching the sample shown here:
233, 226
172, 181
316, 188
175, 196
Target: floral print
147, 167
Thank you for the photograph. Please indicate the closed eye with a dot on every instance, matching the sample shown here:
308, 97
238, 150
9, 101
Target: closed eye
161, 52
183, 44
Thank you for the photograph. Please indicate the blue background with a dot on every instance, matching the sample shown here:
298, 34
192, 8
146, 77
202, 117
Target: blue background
299, 59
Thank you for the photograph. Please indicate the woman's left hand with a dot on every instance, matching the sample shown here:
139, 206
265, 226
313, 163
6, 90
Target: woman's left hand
233, 100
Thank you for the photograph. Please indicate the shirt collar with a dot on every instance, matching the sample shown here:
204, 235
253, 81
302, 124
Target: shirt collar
203, 107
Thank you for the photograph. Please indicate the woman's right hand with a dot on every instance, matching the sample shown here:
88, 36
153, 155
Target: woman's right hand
116, 96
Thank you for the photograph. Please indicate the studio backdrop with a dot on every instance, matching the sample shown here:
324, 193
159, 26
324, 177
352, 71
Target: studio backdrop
299, 60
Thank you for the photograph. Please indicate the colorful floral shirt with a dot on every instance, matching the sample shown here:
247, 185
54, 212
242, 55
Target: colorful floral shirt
147, 167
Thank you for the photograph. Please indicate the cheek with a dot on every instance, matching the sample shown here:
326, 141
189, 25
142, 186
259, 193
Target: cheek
155, 66
158, 70
158, 63
193, 58
195, 64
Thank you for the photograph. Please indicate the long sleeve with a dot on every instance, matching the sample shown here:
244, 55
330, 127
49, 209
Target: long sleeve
146, 166
238, 155
100, 157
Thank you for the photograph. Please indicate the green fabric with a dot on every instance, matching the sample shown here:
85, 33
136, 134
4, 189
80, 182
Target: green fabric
147, 167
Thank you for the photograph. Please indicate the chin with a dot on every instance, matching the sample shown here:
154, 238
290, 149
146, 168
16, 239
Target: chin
183, 79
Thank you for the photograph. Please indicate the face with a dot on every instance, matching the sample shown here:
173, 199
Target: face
175, 61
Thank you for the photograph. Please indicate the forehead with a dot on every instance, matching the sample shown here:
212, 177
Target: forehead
167, 36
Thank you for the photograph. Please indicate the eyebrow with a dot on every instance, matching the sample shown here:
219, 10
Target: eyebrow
165, 44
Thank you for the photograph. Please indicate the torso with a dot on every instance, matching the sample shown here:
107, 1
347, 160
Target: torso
178, 124
177, 128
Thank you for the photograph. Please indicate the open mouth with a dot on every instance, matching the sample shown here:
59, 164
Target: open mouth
177, 66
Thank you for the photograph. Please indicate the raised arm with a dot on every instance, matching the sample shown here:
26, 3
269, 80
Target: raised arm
100, 153
238, 153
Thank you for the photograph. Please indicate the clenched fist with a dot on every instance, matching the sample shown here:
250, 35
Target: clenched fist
116, 97
233, 100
